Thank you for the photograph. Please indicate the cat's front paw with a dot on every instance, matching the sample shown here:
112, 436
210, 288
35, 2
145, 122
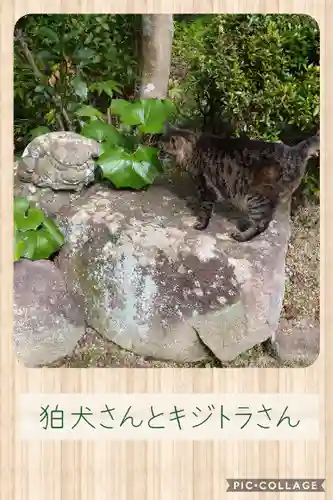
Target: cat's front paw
243, 224
238, 236
200, 225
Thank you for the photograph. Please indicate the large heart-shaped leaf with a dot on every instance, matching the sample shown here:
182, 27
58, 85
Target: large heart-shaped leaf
30, 242
21, 205
150, 114
35, 236
133, 114
148, 155
121, 168
45, 245
41, 244
155, 114
145, 170
129, 113
118, 106
31, 220
101, 131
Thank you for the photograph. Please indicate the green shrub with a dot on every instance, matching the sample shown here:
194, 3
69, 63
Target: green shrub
260, 72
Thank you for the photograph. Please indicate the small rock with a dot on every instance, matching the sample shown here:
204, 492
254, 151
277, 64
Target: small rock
47, 322
297, 343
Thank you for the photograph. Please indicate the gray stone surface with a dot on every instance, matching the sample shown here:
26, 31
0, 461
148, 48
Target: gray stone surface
152, 284
48, 200
47, 322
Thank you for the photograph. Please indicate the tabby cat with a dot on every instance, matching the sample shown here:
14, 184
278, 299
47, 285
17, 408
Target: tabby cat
253, 175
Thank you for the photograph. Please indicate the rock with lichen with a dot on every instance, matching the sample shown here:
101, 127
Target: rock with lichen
154, 285
59, 160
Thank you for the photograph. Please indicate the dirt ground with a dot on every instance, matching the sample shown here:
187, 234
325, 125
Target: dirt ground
300, 310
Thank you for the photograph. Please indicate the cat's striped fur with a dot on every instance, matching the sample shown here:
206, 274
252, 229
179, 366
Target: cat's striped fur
253, 175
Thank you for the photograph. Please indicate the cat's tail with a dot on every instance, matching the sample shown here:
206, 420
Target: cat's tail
309, 147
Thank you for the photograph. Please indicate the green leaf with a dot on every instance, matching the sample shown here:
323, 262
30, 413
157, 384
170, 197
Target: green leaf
150, 114
126, 170
117, 166
41, 89
52, 229
101, 131
84, 54
134, 114
80, 87
32, 220
21, 205
50, 116
118, 106
176, 93
169, 106
124, 128
103, 148
18, 245
45, 55
45, 245
89, 111
108, 86
49, 34
30, 242
38, 244
156, 112
148, 155
145, 170
36, 132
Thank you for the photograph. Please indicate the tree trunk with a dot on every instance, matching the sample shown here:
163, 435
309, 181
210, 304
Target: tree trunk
156, 47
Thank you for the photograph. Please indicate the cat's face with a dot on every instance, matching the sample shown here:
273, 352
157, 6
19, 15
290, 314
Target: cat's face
173, 144
176, 143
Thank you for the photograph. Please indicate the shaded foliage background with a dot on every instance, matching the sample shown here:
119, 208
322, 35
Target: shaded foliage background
254, 75
71, 52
